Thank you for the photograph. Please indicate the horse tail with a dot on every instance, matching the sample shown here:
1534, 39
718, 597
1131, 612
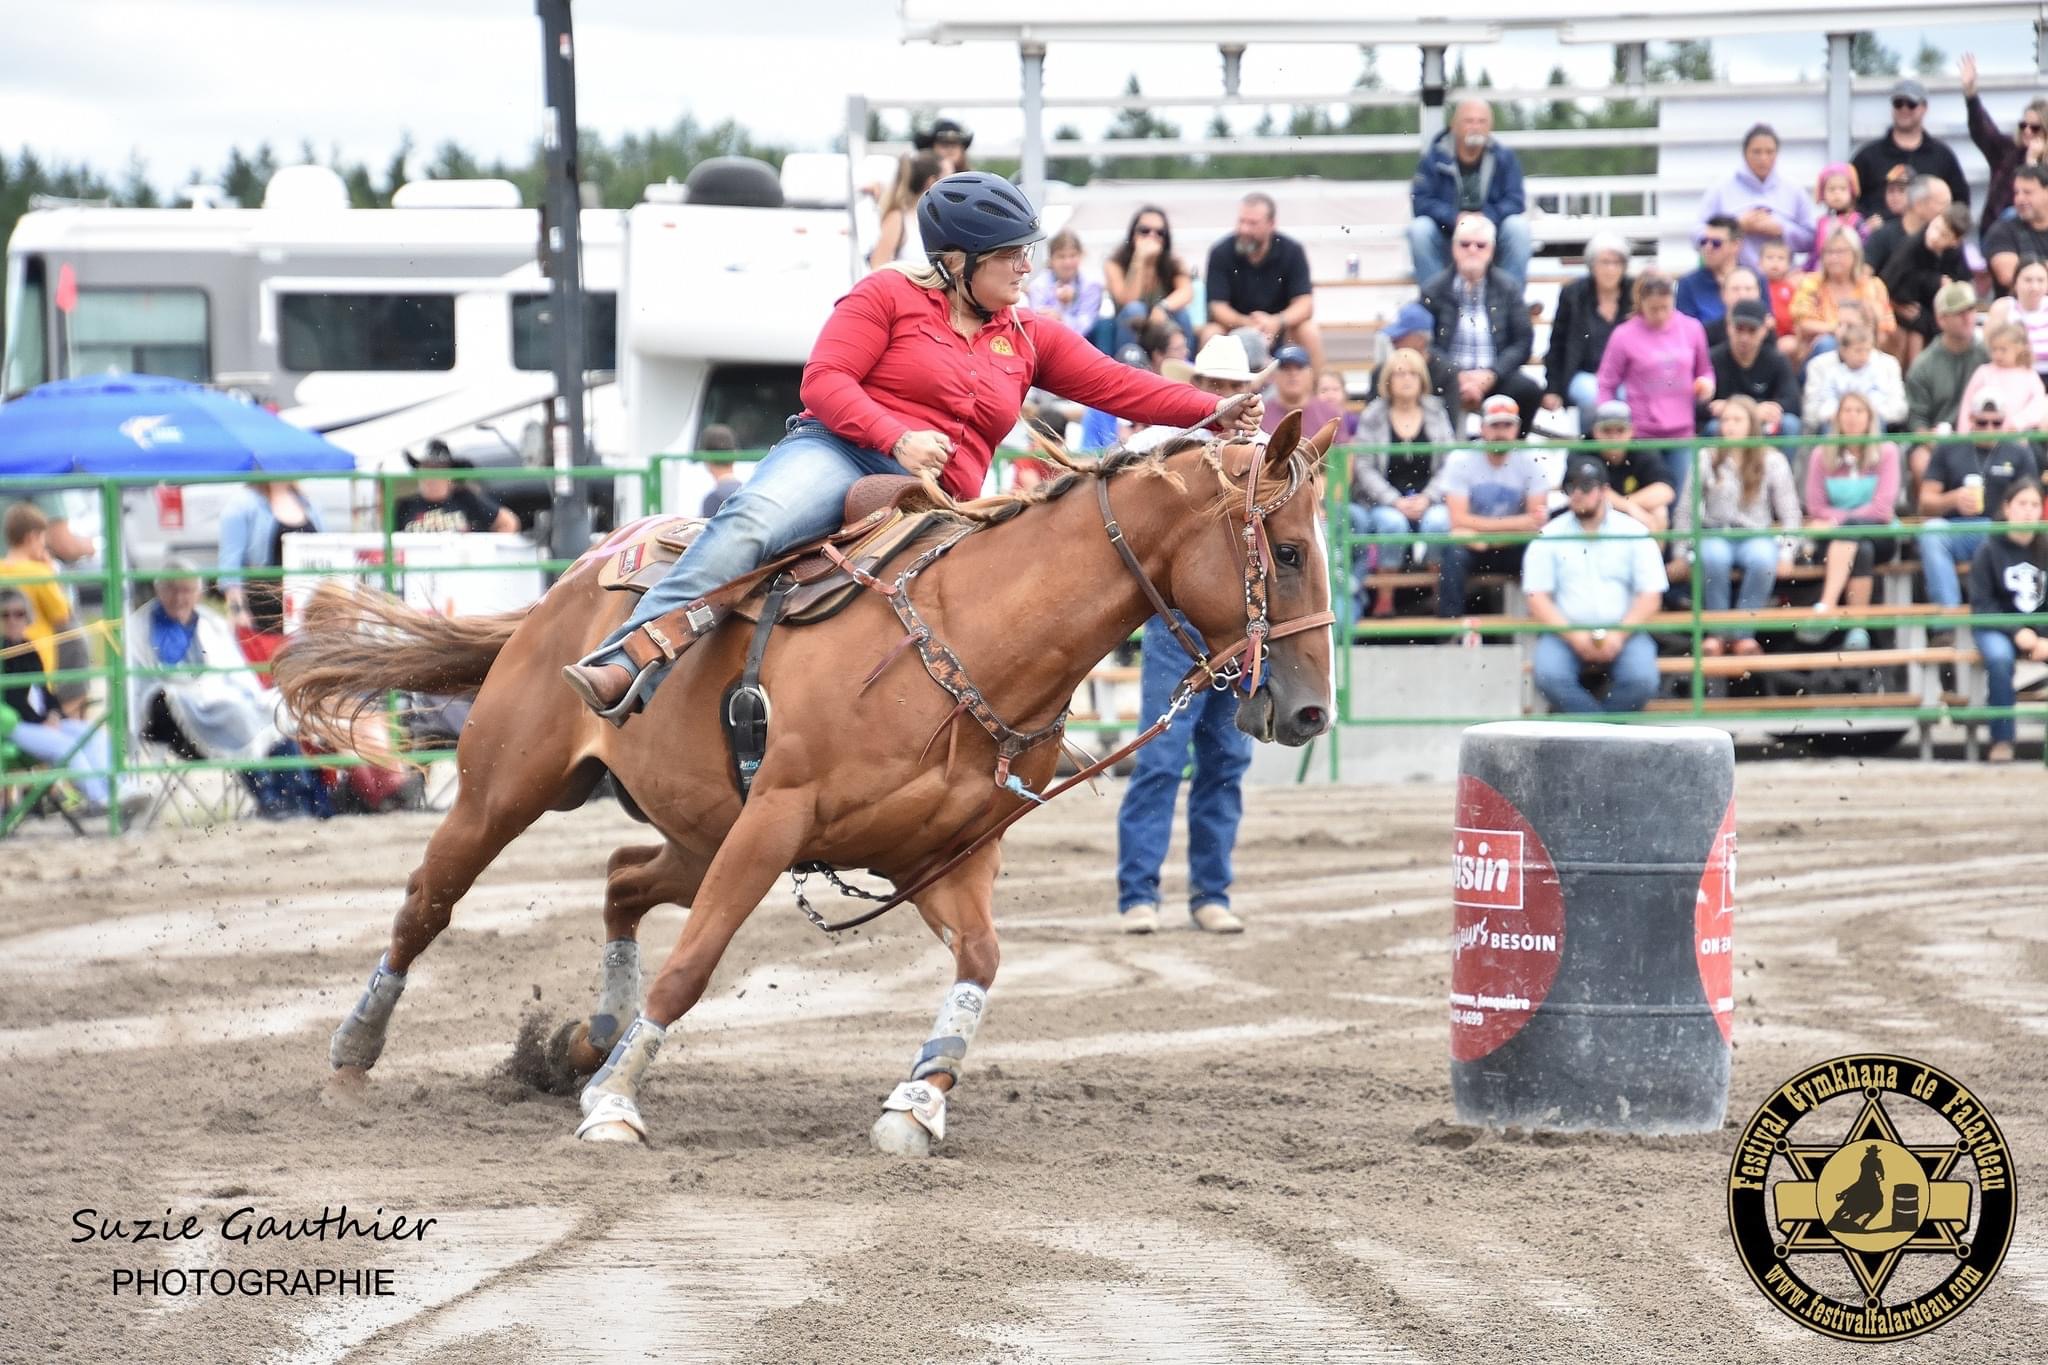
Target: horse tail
355, 645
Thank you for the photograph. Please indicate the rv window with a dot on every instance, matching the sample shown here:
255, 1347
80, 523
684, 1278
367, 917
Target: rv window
28, 355
140, 331
366, 331
532, 349
754, 400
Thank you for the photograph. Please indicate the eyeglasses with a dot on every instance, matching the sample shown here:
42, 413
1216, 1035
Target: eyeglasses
1149, 232
1904, 103
1471, 244
1715, 242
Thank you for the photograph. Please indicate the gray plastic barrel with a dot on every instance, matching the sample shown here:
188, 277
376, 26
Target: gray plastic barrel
1593, 885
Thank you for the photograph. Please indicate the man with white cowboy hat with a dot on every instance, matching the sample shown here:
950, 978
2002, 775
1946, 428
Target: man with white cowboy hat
1221, 752
1223, 368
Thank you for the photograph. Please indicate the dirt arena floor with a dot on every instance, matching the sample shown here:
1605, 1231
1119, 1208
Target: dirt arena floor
1181, 1148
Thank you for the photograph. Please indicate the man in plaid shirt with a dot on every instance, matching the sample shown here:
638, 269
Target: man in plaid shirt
1482, 329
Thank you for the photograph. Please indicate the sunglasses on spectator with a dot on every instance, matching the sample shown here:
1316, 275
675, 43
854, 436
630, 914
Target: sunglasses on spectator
1990, 419
1904, 103
1714, 241
2029, 126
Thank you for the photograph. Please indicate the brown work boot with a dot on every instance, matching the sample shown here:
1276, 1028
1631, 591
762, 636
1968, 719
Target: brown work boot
615, 690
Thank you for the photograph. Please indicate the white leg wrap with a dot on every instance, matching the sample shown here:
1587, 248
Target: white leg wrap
925, 1103
360, 1039
630, 1058
959, 1015
618, 994
611, 1095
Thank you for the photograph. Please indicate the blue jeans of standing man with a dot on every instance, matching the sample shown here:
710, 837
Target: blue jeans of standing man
2001, 656
797, 493
1940, 554
1758, 557
1632, 677
1222, 752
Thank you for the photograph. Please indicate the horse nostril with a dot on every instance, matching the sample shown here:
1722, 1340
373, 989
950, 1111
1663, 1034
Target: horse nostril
1310, 718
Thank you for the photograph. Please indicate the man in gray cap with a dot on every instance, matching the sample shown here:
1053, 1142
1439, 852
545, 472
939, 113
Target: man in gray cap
1638, 481
1935, 383
1908, 144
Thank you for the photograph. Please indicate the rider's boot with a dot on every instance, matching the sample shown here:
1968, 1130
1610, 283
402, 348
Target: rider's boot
615, 679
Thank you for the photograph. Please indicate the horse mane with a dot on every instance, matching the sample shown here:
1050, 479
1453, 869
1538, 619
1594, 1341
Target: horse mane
1000, 507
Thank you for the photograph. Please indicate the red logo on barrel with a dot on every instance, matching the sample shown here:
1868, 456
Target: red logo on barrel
1713, 925
1507, 921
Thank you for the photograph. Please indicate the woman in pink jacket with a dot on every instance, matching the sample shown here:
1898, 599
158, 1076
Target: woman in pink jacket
1657, 362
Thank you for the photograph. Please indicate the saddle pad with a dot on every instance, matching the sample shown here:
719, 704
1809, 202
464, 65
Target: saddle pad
639, 563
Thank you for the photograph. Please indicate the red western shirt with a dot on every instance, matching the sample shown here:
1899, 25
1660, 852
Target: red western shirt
888, 362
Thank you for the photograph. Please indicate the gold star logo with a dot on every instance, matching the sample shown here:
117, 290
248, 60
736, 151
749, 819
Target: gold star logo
1872, 1199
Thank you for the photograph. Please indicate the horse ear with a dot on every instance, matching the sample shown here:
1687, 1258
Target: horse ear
1321, 442
1280, 445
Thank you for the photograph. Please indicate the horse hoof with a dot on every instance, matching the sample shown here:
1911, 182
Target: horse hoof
896, 1133
611, 1132
346, 1087
577, 1053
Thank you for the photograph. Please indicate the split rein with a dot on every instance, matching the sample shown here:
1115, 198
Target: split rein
1243, 662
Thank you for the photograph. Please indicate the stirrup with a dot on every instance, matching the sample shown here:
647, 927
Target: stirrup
636, 690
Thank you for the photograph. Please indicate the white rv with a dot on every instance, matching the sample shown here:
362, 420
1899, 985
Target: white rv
381, 328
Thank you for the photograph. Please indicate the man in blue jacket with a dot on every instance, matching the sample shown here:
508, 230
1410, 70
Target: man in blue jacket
1466, 171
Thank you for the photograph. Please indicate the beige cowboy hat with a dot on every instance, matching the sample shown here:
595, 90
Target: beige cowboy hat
1225, 358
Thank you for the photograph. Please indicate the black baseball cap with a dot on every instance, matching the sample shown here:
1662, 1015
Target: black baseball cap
1585, 471
1750, 311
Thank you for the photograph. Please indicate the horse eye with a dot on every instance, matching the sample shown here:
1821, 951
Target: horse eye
1288, 555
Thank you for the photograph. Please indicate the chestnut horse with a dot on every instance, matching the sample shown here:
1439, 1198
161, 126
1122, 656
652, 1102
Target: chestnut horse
1028, 603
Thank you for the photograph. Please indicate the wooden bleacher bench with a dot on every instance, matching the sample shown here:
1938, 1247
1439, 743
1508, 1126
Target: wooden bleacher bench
1806, 701
1426, 578
1737, 666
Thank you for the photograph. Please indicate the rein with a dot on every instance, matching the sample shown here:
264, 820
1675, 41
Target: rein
1242, 662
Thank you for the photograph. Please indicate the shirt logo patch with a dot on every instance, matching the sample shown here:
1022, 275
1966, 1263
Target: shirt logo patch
1001, 346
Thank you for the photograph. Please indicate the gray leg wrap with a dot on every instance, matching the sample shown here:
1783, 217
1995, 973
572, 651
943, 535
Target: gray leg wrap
360, 1039
959, 1015
618, 994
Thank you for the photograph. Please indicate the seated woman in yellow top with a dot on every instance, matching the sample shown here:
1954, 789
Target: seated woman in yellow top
29, 569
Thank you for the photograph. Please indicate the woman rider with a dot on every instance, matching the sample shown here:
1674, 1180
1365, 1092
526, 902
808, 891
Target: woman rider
927, 363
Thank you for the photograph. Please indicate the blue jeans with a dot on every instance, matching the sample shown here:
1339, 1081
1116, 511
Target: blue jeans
797, 493
1940, 554
2000, 656
1388, 521
1632, 677
1132, 316
1583, 393
1456, 563
1429, 248
1222, 752
1758, 557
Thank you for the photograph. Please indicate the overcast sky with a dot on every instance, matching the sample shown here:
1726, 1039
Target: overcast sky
179, 81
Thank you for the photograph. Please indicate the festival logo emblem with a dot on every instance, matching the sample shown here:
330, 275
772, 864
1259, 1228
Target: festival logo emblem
1871, 1198
1001, 346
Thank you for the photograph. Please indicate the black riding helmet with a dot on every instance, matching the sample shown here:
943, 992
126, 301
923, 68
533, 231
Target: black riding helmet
977, 213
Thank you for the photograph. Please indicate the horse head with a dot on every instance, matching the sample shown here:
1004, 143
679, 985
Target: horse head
1262, 575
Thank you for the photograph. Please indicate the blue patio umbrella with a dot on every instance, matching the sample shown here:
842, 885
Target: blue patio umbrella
141, 424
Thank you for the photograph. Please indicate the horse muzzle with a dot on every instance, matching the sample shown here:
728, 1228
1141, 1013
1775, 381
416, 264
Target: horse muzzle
1281, 721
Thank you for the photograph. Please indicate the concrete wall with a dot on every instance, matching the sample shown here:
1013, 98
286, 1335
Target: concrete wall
1407, 680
